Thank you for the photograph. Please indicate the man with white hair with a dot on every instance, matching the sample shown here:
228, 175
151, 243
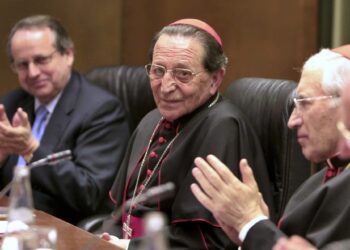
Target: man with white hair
297, 242
320, 210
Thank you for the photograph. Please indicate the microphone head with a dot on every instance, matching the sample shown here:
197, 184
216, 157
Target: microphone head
60, 156
153, 195
51, 159
163, 191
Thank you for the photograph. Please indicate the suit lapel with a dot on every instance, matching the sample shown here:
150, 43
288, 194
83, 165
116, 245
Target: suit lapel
62, 114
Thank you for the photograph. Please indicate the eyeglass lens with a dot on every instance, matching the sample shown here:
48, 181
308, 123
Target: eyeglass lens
158, 72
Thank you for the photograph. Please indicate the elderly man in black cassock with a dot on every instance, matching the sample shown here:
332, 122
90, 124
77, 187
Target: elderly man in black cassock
187, 66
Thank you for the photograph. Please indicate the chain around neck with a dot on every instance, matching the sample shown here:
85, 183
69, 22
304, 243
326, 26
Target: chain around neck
134, 195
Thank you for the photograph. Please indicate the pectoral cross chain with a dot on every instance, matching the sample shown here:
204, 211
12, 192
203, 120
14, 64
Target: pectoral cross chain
126, 228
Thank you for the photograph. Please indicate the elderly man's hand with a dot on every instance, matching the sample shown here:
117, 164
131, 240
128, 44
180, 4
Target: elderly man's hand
121, 243
293, 243
16, 138
230, 200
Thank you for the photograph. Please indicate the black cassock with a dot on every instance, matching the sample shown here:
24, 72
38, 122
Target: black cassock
218, 130
318, 211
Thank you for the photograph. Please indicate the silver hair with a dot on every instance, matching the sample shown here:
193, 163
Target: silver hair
334, 69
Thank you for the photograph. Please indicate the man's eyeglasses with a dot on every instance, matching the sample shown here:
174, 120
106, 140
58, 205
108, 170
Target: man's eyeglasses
39, 61
156, 72
302, 103
344, 131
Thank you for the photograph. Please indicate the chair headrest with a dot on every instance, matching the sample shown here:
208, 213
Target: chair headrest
130, 84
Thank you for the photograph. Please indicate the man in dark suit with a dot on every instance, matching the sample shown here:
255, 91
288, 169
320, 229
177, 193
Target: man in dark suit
79, 116
320, 210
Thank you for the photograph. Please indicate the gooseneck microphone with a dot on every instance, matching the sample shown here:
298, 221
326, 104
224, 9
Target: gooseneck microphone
51, 159
153, 195
149, 197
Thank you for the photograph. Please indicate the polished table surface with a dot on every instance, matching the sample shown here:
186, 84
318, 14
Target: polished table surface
70, 237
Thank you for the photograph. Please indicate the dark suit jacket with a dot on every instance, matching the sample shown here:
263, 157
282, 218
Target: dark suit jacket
92, 124
319, 212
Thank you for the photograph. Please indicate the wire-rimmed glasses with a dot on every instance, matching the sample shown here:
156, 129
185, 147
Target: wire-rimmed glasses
39, 61
156, 72
301, 103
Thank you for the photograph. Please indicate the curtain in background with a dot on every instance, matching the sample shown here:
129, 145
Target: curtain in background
334, 23
341, 21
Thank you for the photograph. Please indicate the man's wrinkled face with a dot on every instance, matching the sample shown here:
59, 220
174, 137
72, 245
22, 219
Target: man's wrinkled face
175, 99
315, 118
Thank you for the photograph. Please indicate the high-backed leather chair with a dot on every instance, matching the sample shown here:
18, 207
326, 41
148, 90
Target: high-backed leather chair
130, 84
267, 104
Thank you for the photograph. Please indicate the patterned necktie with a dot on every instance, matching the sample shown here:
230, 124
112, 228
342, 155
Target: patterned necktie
40, 122
38, 128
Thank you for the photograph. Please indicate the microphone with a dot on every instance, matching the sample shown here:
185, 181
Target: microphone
50, 160
153, 195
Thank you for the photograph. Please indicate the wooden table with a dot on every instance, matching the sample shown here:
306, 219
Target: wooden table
70, 237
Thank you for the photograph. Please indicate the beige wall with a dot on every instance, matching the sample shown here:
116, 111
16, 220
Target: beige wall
269, 38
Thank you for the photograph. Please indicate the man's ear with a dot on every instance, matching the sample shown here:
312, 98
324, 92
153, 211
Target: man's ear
70, 56
216, 80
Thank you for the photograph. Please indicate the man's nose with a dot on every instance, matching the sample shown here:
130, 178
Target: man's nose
33, 69
295, 119
168, 81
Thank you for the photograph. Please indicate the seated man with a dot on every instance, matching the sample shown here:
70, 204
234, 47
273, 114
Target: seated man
187, 66
319, 210
296, 242
77, 116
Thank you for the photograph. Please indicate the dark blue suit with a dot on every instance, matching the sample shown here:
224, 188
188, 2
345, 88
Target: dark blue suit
92, 124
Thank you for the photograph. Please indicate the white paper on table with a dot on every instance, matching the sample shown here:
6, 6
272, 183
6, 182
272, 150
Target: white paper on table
3, 226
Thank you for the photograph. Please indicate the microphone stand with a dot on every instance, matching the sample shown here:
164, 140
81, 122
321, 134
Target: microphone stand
51, 159
159, 192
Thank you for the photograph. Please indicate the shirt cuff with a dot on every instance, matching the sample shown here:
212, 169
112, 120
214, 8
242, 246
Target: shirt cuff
243, 233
